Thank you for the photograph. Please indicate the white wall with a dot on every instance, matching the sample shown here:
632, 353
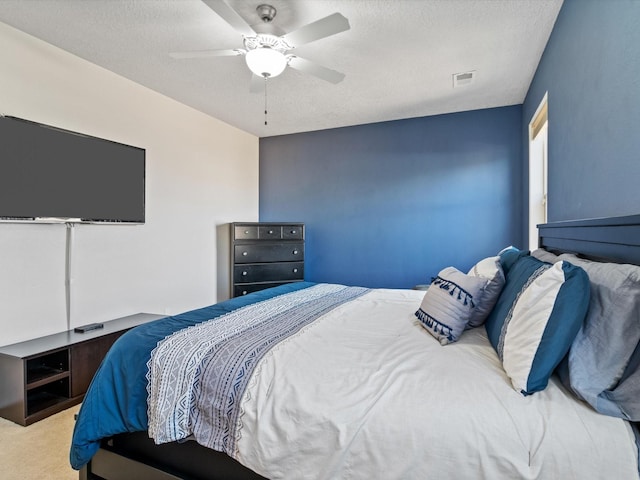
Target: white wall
200, 174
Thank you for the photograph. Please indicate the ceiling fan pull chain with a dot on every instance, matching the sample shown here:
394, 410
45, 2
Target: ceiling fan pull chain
265, 100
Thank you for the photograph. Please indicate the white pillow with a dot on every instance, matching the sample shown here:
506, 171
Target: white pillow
544, 255
449, 303
491, 270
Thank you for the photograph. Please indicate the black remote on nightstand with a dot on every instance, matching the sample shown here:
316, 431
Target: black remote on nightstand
88, 327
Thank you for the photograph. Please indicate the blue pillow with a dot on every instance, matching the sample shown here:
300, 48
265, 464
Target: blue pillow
509, 256
536, 318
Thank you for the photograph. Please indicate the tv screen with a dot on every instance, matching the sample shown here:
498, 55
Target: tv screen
49, 174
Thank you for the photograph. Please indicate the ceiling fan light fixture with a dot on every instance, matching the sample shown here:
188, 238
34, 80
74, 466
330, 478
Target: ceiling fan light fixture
266, 62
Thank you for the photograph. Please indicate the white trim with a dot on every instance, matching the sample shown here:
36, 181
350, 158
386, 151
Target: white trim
538, 177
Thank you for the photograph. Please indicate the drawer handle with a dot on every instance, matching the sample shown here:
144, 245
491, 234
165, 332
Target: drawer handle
244, 273
295, 270
244, 292
293, 232
246, 232
295, 252
270, 232
244, 254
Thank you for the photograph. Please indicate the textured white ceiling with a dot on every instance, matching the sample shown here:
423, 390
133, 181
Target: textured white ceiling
398, 56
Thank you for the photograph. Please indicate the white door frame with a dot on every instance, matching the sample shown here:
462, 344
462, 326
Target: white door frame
538, 168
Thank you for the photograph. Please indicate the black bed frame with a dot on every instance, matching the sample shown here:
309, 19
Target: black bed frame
134, 455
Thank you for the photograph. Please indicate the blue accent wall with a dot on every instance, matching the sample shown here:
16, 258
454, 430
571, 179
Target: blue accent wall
591, 69
390, 204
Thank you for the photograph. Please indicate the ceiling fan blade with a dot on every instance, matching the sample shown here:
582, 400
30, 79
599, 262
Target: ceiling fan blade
325, 27
230, 16
257, 84
208, 53
312, 68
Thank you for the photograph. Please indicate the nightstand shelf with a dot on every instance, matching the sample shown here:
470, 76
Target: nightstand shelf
44, 378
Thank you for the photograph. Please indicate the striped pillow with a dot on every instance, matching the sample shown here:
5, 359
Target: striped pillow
536, 319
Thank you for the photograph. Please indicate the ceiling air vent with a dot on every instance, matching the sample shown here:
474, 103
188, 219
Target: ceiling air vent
465, 78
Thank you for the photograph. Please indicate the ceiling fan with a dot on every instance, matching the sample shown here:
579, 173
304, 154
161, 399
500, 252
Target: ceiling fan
267, 49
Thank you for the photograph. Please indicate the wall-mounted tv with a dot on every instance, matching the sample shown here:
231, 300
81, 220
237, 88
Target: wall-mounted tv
48, 174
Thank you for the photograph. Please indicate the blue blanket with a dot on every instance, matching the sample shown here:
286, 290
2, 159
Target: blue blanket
116, 401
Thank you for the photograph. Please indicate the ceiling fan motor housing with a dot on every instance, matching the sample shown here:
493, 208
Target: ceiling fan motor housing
266, 40
266, 12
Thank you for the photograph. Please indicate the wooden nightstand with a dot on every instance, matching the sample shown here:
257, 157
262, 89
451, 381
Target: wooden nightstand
46, 375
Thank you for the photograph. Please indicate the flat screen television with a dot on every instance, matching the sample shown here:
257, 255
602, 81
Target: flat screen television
48, 174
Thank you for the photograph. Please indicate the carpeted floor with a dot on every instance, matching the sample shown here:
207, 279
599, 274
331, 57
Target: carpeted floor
39, 451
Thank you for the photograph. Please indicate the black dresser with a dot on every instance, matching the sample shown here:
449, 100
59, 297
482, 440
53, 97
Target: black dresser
265, 255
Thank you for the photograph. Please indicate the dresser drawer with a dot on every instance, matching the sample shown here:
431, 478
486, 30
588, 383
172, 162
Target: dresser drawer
292, 232
270, 232
239, 290
245, 232
276, 252
268, 272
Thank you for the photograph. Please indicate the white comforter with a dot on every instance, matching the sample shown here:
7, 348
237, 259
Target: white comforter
365, 392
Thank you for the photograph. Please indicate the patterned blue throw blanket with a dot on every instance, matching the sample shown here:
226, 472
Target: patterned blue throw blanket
116, 401
198, 375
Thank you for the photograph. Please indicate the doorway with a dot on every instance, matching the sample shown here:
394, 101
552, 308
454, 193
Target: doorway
538, 167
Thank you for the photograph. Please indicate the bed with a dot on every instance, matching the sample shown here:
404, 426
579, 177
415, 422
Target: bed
371, 383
